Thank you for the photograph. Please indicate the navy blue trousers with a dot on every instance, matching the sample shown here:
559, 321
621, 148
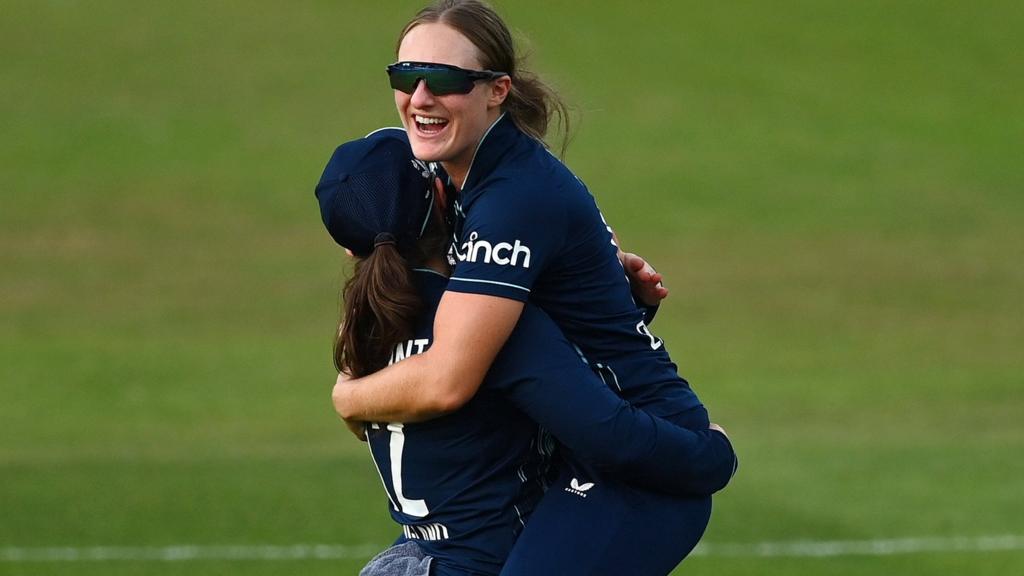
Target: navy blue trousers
590, 525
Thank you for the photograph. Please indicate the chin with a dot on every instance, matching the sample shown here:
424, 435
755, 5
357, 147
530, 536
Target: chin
426, 151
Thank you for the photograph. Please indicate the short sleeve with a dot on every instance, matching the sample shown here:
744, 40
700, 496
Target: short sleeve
508, 238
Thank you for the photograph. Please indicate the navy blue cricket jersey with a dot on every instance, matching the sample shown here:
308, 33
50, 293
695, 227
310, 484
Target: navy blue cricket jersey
462, 485
527, 228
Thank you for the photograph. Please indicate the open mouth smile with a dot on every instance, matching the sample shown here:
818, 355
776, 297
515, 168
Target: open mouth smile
429, 125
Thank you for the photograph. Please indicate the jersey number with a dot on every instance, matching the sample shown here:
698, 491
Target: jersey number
417, 508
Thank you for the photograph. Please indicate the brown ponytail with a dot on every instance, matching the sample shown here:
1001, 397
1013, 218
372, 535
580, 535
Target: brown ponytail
531, 104
381, 303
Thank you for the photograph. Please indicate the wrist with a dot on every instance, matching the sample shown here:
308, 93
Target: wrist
342, 398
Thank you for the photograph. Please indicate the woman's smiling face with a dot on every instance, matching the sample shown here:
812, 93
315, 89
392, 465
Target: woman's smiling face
447, 128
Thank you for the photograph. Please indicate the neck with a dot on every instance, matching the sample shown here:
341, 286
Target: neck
438, 264
458, 169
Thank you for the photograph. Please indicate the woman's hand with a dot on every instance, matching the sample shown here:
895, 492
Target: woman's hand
357, 428
644, 279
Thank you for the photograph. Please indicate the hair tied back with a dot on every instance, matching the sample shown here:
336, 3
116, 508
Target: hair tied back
384, 238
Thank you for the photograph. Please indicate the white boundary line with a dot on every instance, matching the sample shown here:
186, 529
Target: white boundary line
186, 552
888, 547
793, 549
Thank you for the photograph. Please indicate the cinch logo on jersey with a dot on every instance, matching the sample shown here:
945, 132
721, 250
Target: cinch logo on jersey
502, 253
579, 489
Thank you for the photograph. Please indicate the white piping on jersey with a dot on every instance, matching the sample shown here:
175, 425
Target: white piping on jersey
519, 514
547, 443
616, 377
382, 482
521, 474
491, 282
580, 352
478, 145
384, 128
430, 192
430, 271
601, 368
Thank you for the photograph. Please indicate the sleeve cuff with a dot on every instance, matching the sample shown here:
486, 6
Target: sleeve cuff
489, 288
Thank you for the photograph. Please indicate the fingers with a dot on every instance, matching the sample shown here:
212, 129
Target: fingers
641, 268
442, 198
634, 262
645, 280
358, 429
644, 272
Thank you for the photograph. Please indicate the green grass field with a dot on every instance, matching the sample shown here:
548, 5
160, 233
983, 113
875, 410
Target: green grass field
834, 191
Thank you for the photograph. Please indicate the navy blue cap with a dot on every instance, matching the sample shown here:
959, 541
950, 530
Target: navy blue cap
374, 191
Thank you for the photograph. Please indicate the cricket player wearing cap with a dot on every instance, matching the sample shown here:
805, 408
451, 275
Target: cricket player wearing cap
463, 485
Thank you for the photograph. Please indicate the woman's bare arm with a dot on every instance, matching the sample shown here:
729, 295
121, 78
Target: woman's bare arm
469, 330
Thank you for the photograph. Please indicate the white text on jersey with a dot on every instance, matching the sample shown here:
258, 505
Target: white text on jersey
502, 253
405, 349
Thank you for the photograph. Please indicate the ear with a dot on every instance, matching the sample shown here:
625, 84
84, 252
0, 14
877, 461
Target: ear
500, 89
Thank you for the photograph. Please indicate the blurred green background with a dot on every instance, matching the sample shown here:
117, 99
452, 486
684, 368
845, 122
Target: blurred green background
833, 190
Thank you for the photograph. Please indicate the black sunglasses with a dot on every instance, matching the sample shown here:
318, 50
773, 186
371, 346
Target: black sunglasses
441, 79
